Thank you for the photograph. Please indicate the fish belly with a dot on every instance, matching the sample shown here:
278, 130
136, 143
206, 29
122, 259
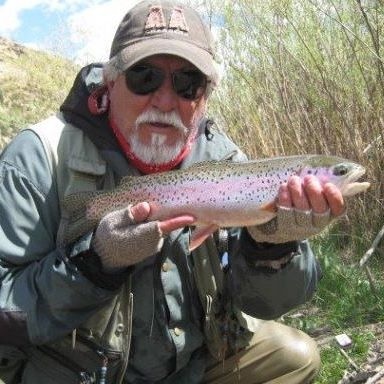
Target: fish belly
218, 208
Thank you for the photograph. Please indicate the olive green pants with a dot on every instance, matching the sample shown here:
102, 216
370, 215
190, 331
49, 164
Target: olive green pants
277, 355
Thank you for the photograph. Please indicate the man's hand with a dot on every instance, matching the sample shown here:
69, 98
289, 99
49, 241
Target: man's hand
124, 237
310, 195
304, 209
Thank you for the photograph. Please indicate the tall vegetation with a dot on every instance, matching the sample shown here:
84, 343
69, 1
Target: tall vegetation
307, 76
32, 86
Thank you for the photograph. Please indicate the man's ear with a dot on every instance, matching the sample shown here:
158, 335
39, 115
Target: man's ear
110, 84
204, 106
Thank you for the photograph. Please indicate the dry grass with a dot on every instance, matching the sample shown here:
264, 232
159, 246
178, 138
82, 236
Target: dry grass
307, 77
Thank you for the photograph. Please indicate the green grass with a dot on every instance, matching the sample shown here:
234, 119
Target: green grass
345, 291
334, 363
345, 297
344, 303
32, 86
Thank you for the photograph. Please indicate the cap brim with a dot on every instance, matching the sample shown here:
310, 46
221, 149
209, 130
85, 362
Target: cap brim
143, 49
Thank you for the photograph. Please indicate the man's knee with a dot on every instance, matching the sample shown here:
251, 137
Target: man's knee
288, 355
277, 354
300, 354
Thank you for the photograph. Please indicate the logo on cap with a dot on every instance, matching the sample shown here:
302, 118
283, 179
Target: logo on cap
156, 20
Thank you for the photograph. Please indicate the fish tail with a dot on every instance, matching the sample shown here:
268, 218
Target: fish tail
73, 228
76, 203
75, 222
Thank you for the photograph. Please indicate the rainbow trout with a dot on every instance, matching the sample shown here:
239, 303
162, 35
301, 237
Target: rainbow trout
217, 194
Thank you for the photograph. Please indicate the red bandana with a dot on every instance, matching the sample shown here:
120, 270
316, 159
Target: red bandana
145, 167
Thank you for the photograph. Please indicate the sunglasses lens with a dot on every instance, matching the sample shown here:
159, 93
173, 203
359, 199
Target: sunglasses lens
143, 79
189, 84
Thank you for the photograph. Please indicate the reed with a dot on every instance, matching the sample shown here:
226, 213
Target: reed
307, 76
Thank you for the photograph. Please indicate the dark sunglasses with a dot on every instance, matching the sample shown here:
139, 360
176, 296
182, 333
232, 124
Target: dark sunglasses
143, 79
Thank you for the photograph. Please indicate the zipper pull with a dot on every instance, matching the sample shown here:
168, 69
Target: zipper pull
85, 378
74, 335
104, 367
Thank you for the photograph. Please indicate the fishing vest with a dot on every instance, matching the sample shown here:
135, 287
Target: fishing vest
77, 165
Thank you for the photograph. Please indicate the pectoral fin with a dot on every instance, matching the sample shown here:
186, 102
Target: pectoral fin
270, 207
200, 234
266, 213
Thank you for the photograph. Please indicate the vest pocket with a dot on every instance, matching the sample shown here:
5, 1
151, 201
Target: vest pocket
87, 363
45, 369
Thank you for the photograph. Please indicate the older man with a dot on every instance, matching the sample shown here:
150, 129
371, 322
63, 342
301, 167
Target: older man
128, 302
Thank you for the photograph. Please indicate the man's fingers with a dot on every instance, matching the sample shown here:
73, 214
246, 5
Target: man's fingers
314, 193
284, 196
140, 212
297, 192
169, 225
335, 199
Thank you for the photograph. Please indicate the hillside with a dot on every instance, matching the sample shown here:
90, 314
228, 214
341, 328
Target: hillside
32, 86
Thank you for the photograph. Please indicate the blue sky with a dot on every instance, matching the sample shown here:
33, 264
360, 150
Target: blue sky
81, 30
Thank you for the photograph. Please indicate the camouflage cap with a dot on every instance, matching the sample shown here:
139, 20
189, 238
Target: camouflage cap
164, 27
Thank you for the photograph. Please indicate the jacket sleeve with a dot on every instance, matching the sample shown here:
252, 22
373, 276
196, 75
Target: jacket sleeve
43, 296
266, 293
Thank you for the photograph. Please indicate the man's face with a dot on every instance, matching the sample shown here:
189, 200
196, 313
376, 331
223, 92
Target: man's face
159, 124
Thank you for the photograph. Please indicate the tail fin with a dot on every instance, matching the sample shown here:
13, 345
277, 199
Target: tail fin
74, 222
77, 202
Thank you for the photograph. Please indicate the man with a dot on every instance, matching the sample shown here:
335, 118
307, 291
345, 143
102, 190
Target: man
128, 303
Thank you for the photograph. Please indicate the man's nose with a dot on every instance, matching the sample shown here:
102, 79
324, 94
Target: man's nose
165, 98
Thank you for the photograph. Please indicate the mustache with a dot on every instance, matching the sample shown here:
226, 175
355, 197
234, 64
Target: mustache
169, 118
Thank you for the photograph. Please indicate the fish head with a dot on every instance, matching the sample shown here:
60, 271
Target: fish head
341, 172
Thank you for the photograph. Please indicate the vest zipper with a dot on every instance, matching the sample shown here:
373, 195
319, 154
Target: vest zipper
129, 331
104, 367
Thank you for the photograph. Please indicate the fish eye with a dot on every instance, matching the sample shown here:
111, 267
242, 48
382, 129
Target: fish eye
340, 170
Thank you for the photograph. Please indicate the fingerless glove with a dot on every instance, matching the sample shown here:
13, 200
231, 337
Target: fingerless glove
120, 242
290, 224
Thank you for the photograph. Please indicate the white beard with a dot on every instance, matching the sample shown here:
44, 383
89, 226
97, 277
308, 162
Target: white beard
158, 152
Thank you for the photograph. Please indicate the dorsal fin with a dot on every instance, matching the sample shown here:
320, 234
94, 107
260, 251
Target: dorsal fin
127, 179
201, 164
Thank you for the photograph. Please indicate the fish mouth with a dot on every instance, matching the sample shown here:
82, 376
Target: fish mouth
352, 185
357, 173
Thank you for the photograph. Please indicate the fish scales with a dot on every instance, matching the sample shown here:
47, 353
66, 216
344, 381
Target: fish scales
208, 191
217, 194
